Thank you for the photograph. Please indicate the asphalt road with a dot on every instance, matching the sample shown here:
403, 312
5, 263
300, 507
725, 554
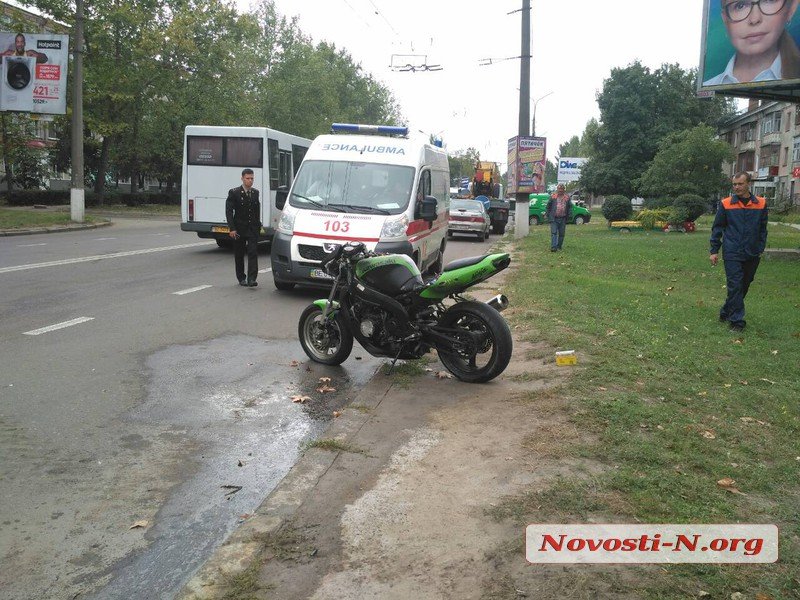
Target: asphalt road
144, 405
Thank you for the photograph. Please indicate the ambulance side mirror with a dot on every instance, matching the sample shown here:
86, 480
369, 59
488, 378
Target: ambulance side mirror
427, 210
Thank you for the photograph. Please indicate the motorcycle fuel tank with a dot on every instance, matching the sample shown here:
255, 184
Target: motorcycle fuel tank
391, 273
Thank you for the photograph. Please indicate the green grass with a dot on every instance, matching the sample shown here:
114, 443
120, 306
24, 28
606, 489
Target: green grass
657, 371
334, 446
23, 219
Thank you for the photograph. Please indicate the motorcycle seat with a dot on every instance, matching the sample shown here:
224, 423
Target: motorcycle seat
463, 262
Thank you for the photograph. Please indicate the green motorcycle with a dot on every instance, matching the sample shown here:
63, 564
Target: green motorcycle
382, 301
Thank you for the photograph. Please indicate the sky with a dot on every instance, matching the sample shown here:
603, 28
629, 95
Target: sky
574, 46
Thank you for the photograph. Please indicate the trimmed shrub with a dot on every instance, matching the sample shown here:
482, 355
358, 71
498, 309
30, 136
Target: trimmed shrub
617, 208
649, 218
55, 198
690, 205
657, 202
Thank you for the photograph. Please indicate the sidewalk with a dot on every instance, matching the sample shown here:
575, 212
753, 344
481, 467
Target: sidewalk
54, 228
401, 511
95, 212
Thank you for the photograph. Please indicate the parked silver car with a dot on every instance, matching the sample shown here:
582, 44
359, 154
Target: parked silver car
468, 216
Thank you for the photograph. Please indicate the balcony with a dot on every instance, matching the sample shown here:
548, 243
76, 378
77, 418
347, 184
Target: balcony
746, 146
770, 139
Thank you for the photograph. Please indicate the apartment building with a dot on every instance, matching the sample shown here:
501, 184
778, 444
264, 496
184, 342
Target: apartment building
766, 143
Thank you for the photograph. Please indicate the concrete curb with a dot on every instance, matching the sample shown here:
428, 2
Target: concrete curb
241, 550
53, 229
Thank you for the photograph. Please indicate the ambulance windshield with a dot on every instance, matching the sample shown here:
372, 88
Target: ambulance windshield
358, 186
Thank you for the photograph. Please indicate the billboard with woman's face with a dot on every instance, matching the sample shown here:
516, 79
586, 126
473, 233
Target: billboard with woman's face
749, 44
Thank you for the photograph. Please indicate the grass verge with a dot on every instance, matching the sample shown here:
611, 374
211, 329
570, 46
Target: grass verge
673, 400
24, 219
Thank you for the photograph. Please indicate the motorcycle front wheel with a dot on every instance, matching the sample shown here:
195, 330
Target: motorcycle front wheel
485, 344
327, 341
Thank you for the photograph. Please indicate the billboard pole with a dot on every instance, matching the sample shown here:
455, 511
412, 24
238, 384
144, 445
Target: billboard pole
76, 194
521, 205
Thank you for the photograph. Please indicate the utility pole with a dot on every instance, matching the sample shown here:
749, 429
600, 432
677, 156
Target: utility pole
522, 203
76, 194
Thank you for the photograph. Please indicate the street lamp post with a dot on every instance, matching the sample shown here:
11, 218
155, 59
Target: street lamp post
533, 119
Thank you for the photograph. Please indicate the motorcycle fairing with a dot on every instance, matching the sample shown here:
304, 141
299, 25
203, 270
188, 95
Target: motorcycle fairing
458, 280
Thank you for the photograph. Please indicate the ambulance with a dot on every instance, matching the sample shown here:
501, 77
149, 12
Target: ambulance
363, 183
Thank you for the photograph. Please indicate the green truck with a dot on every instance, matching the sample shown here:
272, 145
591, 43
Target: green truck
538, 207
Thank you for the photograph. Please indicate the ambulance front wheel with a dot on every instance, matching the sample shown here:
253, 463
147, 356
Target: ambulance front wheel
283, 286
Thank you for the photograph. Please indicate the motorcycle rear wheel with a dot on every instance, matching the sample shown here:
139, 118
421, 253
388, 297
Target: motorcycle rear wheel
328, 342
494, 352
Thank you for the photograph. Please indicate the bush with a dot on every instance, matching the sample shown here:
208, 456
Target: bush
55, 198
657, 202
691, 206
649, 218
617, 208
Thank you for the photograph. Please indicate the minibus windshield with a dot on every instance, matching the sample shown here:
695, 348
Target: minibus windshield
356, 187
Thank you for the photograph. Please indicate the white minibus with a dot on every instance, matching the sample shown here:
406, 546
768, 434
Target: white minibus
213, 159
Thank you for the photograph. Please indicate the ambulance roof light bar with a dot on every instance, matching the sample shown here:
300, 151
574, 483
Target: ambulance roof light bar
369, 129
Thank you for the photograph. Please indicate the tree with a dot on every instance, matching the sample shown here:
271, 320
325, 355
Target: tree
462, 163
639, 108
688, 162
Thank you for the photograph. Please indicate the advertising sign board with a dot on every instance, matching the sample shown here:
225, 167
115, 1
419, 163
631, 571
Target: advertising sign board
749, 47
526, 165
569, 169
33, 77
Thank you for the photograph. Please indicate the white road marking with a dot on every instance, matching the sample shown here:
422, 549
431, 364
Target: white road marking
70, 261
267, 270
103, 239
31, 245
190, 290
59, 326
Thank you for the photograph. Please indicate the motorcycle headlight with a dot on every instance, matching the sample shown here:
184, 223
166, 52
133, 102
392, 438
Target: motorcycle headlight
394, 228
286, 224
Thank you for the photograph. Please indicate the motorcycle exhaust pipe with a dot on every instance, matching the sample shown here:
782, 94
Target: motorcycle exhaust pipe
499, 302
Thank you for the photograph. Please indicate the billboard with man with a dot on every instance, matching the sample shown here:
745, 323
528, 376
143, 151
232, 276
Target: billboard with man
33, 77
749, 45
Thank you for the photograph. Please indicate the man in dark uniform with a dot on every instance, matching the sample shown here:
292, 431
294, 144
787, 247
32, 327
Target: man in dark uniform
740, 228
243, 211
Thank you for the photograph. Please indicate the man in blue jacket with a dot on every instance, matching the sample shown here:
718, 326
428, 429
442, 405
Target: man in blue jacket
740, 227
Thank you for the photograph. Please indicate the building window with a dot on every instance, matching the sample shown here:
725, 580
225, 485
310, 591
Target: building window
788, 119
785, 160
796, 150
748, 132
771, 123
746, 161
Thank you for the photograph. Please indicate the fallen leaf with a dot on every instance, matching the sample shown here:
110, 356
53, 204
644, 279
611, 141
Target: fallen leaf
709, 435
702, 393
670, 288
761, 596
428, 370
686, 328
294, 363
744, 382
139, 524
301, 399
336, 413
325, 388
611, 332
747, 419
640, 356
661, 427
728, 384
602, 389
444, 375
737, 341
324, 379
728, 484
774, 352
768, 381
